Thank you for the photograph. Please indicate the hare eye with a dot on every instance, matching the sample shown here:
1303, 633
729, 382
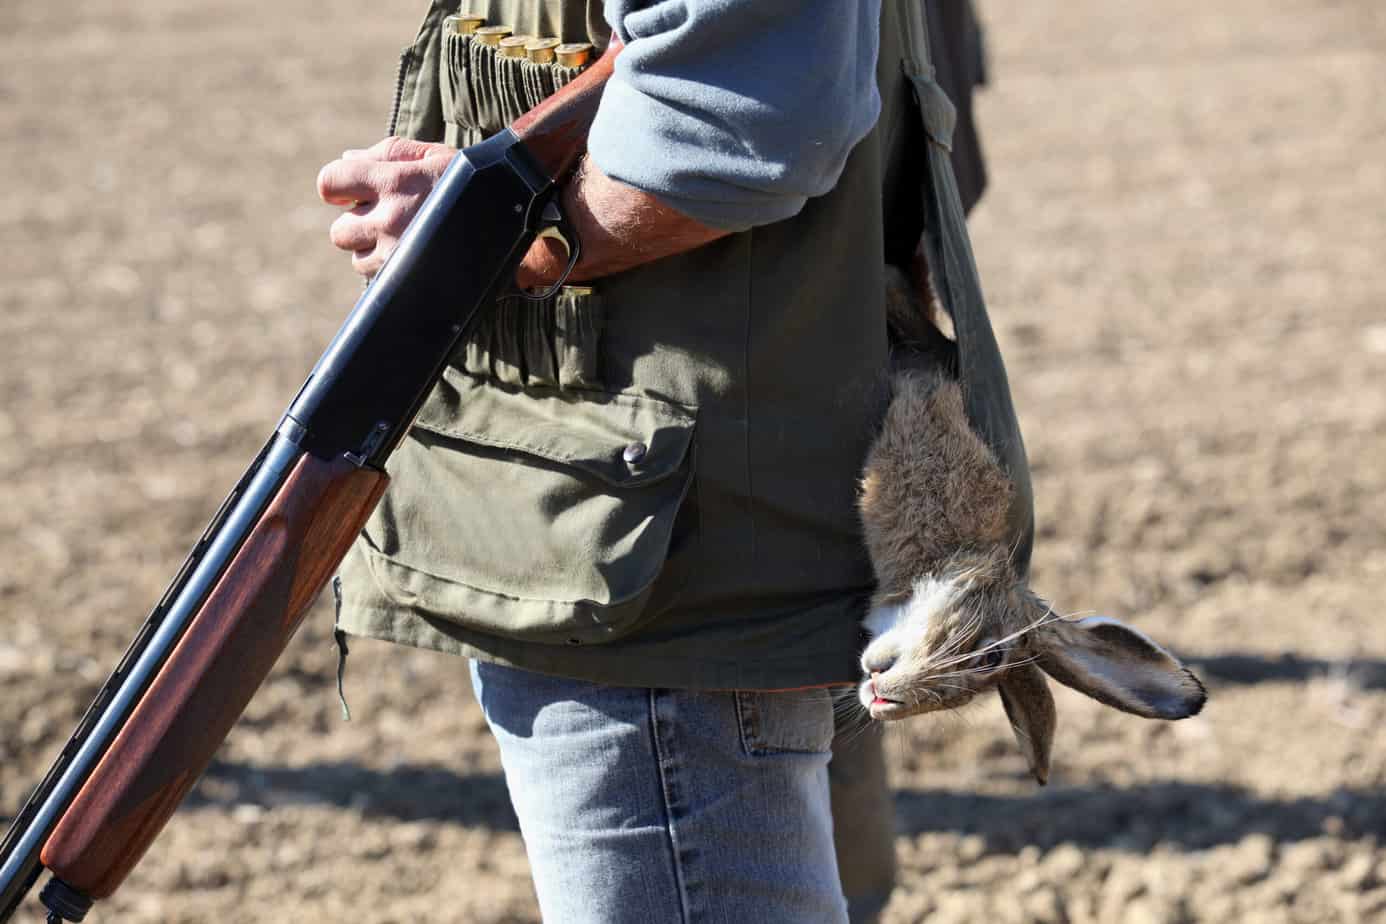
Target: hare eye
992, 658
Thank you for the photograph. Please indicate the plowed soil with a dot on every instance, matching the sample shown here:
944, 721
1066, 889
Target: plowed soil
1185, 251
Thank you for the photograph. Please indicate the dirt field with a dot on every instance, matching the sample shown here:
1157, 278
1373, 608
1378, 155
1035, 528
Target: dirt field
1186, 255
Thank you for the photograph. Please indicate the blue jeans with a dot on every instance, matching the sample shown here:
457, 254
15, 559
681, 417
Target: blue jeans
654, 806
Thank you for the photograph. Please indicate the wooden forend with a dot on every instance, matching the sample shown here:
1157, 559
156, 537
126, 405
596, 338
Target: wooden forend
211, 674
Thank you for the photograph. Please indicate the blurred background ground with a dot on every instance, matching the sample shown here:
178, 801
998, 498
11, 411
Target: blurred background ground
1183, 244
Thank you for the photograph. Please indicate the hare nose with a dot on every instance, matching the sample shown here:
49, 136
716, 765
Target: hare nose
878, 662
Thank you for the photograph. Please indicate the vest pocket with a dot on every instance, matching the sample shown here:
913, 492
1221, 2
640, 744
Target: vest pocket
535, 514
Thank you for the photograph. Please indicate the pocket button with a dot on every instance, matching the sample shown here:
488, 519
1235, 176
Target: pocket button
634, 453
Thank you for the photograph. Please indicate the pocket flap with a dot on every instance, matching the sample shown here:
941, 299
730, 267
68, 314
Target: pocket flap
619, 439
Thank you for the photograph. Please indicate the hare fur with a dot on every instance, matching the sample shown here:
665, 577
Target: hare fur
951, 617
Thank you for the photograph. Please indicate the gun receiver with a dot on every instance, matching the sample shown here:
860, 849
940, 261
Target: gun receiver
234, 605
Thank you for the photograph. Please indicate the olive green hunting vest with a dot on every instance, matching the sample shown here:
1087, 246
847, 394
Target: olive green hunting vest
652, 482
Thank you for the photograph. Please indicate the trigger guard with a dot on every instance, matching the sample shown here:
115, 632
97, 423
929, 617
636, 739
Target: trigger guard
557, 228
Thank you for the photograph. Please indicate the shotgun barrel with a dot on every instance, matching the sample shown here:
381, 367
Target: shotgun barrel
234, 605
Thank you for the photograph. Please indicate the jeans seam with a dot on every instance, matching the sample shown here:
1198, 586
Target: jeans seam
663, 766
746, 727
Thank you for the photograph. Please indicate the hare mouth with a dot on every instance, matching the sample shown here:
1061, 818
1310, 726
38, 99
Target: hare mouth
883, 709
886, 708
872, 693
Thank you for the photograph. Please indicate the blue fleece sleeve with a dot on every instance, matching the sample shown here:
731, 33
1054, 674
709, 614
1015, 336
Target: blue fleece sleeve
735, 112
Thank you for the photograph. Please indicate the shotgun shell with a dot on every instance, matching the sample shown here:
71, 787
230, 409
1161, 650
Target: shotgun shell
573, 54
540, 50
514, 46
465, 25
492, 35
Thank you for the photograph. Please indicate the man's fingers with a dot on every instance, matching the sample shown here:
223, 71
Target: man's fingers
394, 148
382, 186
408, 149
367, 262
363, 176
368, 237
353, 232
348, 182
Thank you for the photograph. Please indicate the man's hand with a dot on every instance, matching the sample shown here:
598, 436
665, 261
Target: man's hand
620, 227
381, 188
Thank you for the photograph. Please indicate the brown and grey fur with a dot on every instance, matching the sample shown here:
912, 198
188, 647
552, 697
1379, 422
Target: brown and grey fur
950, 617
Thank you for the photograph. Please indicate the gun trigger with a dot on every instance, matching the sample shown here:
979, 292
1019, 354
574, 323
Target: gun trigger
555, 233
556, 228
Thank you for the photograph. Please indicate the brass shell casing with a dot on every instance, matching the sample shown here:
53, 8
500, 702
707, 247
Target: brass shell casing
540, 50
465, 25
492, 35
513, 46
574, 54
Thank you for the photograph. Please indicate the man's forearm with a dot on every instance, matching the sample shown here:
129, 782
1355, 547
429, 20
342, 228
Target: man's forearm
620, 227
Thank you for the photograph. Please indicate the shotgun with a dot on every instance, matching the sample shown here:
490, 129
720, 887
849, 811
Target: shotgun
234, 605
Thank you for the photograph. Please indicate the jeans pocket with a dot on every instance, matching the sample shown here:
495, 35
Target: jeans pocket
791, 721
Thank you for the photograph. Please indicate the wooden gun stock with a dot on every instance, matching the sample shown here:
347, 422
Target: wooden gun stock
210, 676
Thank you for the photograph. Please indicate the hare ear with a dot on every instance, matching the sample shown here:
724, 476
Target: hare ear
1116, 665
1030, 708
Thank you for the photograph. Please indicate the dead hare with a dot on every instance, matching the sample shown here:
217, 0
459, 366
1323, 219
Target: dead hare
951, 618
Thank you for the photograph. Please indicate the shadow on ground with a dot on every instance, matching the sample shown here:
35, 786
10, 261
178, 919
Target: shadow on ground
1124, 818
408, 793
1362, 673
1138, 818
